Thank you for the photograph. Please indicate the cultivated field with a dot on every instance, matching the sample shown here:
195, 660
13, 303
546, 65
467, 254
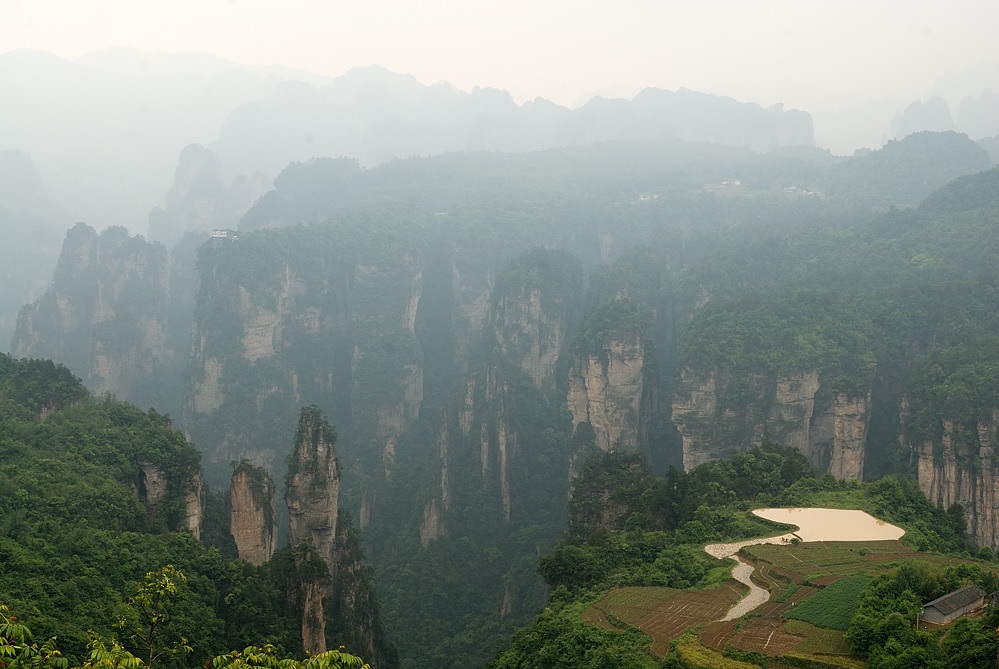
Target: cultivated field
663, 613
798, 577
792, 574
822, 562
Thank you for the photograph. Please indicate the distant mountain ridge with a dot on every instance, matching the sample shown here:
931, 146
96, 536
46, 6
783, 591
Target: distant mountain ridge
375, 116
105, 131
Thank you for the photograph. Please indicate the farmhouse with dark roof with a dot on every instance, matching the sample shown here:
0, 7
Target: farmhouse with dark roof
943, 610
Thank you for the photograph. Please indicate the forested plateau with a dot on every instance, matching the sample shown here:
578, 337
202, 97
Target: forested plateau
475, 326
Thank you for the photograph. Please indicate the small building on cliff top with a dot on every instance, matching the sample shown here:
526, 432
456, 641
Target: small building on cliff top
950, 607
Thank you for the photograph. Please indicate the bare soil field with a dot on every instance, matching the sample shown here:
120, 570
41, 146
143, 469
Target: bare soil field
816, 524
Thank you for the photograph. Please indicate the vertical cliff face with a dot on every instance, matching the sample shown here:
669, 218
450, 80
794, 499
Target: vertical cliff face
610, 390
961, 467
434, 523
193, 506
833, 436
500, 458
312, 498
336, 600
314, 583
794, 409
313, 488
153, 482
471, 287
318, 318
104, 315
354, 610
527, 334
525, 326
385, 348
258, 322
695, 410
715, 419
253, 523
156, 487
840, 437
613, 384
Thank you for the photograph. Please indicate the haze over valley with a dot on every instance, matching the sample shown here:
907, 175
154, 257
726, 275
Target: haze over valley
453, 336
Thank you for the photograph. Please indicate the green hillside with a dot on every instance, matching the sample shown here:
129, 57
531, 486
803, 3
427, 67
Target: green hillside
635, 588
81, 526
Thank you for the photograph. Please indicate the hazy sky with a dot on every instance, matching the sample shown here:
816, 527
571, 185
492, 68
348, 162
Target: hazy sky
565, 50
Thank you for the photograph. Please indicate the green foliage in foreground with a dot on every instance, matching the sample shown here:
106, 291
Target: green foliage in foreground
77, 533
18, 650
833, 606
559, 639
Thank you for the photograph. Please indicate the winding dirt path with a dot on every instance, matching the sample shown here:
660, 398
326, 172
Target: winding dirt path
757, 595
814, 524
742, 571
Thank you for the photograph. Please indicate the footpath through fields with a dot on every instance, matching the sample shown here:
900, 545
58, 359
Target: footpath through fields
814, 524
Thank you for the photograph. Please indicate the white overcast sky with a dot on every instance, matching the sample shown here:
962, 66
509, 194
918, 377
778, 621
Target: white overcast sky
564, 50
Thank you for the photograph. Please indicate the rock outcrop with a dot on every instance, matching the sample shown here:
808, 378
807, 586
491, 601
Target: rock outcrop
153, 482
104, 316
697, 417
313, 485
528, 335
524, 332
336, 600
312, 498
828, 427
962, 467
610, 391
839, 445
326, 323
156, 488
253, 522
193, 506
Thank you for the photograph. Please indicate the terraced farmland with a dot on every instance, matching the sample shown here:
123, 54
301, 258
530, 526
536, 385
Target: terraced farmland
794, 575
663, 613
822, 562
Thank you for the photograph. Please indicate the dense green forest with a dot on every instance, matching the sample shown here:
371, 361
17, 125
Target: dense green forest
82, 530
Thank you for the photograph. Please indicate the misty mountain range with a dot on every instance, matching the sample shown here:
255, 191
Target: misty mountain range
105, 131
480, 292
166, 143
